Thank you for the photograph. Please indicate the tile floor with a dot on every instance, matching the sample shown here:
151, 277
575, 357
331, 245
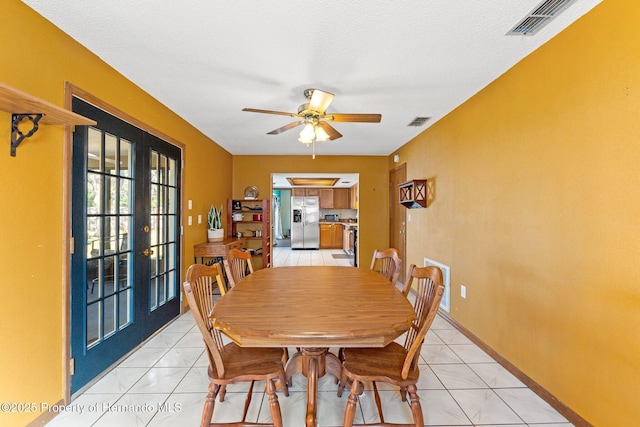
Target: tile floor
164, 382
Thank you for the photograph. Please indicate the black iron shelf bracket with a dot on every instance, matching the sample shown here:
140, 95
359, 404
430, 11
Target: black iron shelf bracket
17, 136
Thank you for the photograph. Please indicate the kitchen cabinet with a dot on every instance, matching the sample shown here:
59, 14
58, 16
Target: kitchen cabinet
253, 221
297, 191
330, 198
326, 198
330, 236
325, 236
341, 198
353, 199
336, 236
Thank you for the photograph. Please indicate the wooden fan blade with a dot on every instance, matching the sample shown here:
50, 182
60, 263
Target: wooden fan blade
284, 128
330, 130
320, 100
362, 118
280, 113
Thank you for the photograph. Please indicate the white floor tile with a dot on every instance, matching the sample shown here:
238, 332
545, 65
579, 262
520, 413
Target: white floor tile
436, 354
470, 353
180, 357
144, 357
439, 408
484, 407
159, 380
134, 410
458, 376
495, 376
529, 406
119, 381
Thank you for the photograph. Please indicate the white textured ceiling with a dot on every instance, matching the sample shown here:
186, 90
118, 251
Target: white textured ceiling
207, 59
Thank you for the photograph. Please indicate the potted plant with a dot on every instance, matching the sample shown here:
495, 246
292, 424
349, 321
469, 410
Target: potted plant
215, 232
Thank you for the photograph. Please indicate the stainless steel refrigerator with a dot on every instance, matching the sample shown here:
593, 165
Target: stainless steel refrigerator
305, 222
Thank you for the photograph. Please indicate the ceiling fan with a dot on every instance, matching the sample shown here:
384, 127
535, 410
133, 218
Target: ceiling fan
314, 116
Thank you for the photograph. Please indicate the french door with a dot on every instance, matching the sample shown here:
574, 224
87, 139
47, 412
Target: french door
125, 225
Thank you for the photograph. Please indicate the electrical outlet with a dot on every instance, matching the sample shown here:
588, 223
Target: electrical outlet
199, 219
463, 291
190, 204
189, 220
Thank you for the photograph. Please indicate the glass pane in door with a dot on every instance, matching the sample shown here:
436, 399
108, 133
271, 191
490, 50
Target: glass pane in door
109, 199
164, 194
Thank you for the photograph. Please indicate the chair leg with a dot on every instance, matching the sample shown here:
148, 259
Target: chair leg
344, 381
223, 392
274, 405
352, 402
416, 408
209, 404
282, 378
403, 393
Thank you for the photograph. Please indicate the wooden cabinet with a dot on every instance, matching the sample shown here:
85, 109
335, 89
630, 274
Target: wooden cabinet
297, 191
330, 236
256, 219
413, 194
336, 236
326, 198
331, 198
325, 236
353, 197
341, 198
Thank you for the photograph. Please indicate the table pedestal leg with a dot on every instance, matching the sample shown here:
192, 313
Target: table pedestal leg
314, 363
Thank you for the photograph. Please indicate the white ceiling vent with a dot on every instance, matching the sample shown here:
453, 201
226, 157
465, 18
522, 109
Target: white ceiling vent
539, 17
418, 121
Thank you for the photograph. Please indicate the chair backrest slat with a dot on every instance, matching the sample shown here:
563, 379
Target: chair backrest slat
429, 288
238, 264
387, 263
198, 288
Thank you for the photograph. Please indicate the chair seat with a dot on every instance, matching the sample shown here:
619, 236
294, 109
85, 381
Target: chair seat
379, 364
246, 364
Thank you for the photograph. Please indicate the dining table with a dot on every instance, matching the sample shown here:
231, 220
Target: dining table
313, 308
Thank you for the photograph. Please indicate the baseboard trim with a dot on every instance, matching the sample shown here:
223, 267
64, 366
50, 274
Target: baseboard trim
45, 417
563, 409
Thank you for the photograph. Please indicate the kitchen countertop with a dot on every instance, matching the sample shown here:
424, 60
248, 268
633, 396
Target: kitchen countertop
345, 223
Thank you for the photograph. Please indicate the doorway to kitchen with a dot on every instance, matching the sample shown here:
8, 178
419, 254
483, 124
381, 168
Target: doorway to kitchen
336, 197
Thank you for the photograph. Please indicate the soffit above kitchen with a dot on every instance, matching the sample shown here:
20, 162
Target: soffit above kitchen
207, 60
319, 180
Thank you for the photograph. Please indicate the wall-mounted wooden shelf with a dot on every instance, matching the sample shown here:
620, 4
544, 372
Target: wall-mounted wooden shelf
23, 106
413, 194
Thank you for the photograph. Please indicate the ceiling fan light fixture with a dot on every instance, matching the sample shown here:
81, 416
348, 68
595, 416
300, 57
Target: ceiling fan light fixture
308, 134
321, 135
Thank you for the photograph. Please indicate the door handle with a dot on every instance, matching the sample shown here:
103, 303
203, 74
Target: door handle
148, 252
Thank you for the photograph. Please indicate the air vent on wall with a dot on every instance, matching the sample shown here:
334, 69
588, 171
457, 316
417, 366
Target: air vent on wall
418, 121
540, 16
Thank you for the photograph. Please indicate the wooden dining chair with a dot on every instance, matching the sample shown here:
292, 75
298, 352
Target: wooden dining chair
395, 364
238, 264
230, 363
387, 263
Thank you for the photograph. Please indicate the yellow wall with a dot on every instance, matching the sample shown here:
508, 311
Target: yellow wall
38, 59
537, 199
373, 221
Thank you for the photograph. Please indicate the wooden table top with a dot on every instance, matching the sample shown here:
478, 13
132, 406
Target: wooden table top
313, 307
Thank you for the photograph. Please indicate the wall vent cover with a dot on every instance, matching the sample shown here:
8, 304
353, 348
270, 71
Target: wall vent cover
445, 303
418, 121
540, 16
